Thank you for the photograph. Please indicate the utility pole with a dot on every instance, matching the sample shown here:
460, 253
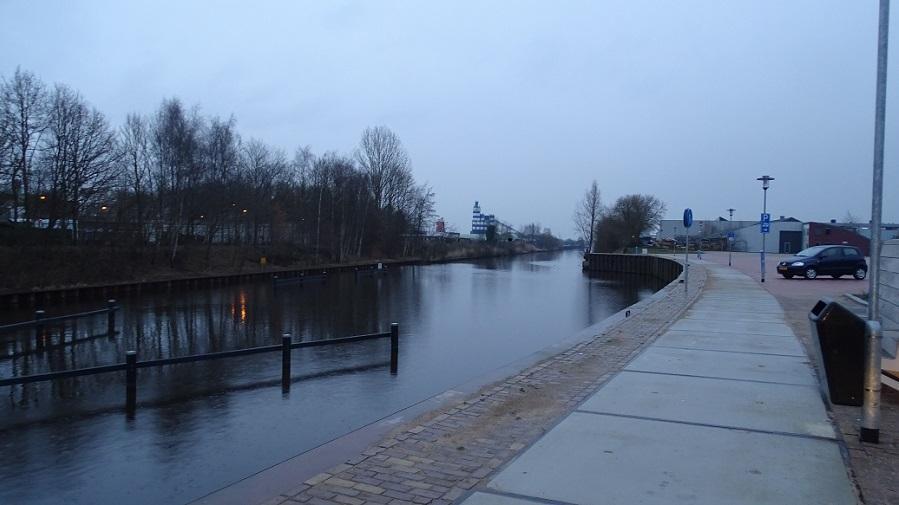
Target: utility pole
730, 251
764, 226
870, 425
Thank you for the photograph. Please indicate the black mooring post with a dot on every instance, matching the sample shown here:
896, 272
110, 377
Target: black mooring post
110, 318
38, 326
130, 383
394, 347
285, 362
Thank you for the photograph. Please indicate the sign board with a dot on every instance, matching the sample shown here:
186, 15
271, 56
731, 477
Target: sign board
688, 218
731, 236
766, 222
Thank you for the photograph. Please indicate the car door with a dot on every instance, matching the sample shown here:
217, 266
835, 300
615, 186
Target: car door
851, 257
829, 261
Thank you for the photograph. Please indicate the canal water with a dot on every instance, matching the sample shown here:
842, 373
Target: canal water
202, 426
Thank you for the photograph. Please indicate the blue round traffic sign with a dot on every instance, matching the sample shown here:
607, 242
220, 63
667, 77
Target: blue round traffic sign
688, 218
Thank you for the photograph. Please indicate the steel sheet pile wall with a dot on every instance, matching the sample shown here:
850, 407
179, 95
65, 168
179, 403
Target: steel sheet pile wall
655, 266
889, 295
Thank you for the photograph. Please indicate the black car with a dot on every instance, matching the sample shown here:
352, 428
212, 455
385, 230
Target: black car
832, 260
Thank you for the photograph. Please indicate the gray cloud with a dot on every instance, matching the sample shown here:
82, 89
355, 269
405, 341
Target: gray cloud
516, 104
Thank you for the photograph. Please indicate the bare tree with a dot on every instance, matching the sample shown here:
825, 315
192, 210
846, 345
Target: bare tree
136, 156
587, 213
851, 218
175, 145
24, 109
384, 161
261, 168
80, 156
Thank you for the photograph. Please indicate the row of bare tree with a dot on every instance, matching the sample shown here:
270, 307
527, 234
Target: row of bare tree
613, 228
177, 175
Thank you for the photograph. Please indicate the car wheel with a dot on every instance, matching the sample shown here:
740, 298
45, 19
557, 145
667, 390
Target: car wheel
836, 276
860, 273
788, 276
811, 273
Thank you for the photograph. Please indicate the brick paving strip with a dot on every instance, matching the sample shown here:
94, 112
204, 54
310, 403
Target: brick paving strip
439, 457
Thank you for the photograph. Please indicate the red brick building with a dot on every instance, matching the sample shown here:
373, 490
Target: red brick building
836, 234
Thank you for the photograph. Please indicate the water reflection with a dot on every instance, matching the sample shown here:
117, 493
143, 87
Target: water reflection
204, 425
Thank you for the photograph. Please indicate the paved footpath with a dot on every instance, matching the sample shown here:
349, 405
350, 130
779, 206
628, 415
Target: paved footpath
722, 408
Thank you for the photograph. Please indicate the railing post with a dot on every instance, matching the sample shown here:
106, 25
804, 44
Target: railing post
394, 347
285, 362
38, 326
130, 383
110, 317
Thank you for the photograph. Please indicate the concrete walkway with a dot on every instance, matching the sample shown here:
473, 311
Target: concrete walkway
722, 409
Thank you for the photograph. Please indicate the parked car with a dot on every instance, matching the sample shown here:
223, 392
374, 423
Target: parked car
832, 260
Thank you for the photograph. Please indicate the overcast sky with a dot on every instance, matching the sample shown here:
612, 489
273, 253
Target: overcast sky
516, 104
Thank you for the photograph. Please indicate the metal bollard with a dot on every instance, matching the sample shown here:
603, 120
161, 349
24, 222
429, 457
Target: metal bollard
38, 326
285, 362
110, 317
394, 347
130, 383
870, 429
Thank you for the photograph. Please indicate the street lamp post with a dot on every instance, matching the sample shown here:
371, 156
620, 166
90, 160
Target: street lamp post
765, 180
870, 425
730, 251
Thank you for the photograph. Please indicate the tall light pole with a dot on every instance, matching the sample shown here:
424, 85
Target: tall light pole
870, 425
764, 226
730, 247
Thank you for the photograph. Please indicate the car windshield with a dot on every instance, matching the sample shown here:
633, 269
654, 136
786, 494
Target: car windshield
811, 251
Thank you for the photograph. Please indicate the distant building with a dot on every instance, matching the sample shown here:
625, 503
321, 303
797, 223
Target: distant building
440, 226
480, 222
836, 233
786, 235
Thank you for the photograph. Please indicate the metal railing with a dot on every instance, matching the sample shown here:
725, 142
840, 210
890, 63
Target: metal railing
298, 279
131, 364
40, 320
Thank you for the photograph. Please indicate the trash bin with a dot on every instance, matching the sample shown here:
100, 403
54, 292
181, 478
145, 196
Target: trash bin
840, 338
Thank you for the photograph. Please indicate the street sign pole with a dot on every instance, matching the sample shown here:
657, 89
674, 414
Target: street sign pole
688, 222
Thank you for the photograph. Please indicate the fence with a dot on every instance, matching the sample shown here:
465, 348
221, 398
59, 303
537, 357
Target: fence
40, 320
131, 364
279, 280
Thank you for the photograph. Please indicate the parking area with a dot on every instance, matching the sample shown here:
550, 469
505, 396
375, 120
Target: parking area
823, 286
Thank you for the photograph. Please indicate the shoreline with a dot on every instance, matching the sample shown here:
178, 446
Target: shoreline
60, 295
517, 402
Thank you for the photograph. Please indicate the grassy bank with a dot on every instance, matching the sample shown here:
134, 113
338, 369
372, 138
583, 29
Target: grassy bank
32, 268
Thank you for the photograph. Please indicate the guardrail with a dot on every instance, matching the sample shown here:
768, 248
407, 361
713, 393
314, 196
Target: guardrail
40, 320
131, 364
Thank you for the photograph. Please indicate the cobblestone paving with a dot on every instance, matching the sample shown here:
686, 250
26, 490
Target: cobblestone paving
441, 456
